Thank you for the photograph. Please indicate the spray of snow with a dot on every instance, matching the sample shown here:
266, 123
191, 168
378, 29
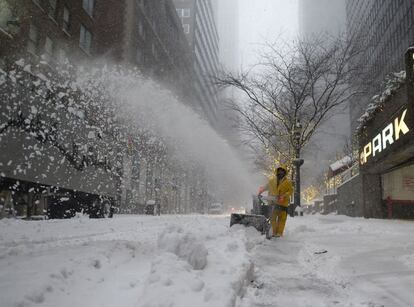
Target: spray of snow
150, 105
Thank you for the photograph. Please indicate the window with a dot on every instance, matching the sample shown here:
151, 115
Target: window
180, 13
33, 39
88, 6
85, 40
49, 48
186, 27
66, 19
53, 9
186, 13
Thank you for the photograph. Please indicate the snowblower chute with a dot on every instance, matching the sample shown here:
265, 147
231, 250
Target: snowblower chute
259, 217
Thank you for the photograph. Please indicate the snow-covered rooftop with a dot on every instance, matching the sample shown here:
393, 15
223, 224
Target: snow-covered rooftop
392, 83
337, 165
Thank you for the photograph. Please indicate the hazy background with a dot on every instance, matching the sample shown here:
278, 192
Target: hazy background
264, 20
261, 21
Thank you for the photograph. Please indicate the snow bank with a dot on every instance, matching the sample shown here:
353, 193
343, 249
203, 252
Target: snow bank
185, 245
199, 268
126, 261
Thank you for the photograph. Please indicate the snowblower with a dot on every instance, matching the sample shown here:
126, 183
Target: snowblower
259, 217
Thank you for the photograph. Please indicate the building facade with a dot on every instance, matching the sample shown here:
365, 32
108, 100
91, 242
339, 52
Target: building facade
228, 28
384, 185
144, 34
39, 35
52, 29
387, 28
386, 146
199, 22
318, 17
151, 39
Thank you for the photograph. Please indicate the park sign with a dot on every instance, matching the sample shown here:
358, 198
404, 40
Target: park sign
387, 138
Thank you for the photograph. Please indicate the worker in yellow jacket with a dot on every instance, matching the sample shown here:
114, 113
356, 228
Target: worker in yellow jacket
281, 188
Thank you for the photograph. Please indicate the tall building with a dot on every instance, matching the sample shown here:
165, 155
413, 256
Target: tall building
199, 22
149, 35
48, 29
384, 186
320, 18
388, 30
145, 34
228, 28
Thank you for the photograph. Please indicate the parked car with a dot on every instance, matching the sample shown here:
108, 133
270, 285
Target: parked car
215, 208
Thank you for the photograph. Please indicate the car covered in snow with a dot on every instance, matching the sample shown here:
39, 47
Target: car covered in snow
215, 208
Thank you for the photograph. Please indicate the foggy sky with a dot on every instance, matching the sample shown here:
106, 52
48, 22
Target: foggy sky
264, 20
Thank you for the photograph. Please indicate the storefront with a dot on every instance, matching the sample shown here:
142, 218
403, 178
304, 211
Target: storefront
387, 153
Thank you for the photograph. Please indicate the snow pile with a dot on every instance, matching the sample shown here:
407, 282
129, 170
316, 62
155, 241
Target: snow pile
393, 82
126, 261
184, 245
196, 268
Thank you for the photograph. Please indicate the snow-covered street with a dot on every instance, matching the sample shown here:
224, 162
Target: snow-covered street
200, 261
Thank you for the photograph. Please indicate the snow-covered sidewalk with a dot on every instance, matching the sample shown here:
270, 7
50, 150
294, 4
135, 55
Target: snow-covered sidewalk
199, 261
335, 261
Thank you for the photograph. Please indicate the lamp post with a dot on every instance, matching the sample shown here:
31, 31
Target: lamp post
298, 163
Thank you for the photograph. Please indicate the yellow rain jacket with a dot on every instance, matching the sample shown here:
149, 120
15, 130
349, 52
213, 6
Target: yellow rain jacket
283, 189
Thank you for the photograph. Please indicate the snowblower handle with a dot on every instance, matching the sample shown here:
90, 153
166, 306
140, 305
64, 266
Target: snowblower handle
267, 198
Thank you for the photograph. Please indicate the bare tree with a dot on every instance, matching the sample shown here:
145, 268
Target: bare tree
300, 82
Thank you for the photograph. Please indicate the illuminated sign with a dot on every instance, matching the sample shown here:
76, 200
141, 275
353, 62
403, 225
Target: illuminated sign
383, 140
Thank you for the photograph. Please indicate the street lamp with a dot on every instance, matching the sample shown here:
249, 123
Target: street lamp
297, 162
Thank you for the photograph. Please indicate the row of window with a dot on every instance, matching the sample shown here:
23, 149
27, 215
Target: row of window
389, 24
143, 25
184, 13
85, 42
49, 50
51, 6
85, 36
